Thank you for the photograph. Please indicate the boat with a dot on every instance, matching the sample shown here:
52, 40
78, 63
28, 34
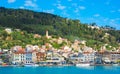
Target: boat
115, 64
83, 64
35, 65
31, 65
4, 64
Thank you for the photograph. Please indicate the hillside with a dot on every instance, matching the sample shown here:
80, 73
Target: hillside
39, 22
15, 37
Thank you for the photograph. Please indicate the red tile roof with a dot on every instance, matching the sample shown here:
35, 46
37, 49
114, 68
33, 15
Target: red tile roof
20, 51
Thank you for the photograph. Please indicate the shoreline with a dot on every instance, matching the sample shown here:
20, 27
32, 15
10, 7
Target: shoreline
56, 65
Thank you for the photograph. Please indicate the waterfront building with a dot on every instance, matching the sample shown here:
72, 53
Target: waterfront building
74, 58
55, 59
18, 55
28, 58
106, 57
114, 56
34, 56
41, 56
88, 54
1, 61
28, 54
103, 56
98, 58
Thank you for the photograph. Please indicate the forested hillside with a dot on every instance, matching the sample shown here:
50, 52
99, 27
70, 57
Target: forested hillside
39, 22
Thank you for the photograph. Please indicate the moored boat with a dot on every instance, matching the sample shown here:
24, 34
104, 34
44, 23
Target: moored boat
31, 65
115, 64
83, 64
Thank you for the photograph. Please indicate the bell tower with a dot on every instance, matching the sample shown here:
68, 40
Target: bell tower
47, 34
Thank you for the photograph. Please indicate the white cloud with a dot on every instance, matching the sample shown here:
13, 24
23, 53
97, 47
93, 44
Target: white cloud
30, 3
49, 11
79, 8
61, 7
112, 20
82, 7
96, 15
11, 1
21, 7
64, 13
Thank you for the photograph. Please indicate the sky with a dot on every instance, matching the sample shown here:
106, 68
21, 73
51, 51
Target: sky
102, 12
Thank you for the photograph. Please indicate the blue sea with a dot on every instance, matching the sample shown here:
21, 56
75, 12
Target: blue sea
61, 70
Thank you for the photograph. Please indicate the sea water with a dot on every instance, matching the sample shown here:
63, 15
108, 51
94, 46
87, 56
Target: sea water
61, 70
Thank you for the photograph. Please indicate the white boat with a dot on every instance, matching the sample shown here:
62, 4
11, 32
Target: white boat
83, 64
31, 65
115, 65
35, 65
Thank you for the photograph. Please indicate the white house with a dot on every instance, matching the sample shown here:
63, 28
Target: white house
18, 55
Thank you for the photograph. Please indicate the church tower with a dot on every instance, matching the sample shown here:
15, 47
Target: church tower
47, 34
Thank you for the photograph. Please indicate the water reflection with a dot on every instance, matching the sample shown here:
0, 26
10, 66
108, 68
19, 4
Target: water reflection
108, 67
86, 67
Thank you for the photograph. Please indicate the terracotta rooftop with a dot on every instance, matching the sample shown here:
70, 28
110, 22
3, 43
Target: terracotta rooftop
20, 51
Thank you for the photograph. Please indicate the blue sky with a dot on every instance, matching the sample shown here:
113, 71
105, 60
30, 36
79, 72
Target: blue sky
102, 12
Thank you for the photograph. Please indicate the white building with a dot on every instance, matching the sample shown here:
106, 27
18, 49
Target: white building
18, 55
